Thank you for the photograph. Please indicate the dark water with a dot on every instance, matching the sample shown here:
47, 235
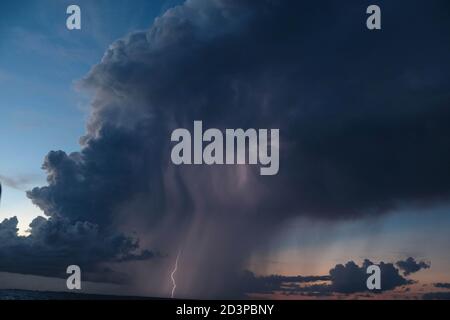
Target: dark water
43, 295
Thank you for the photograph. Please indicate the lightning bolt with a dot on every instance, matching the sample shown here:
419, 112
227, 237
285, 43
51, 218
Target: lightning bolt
172, 275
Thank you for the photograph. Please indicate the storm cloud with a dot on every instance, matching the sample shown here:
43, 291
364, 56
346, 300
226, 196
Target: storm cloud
442, 285
436, 296
363, 121
348, 278
351, 278
410, 265
251, 284
363, 129
56, 243
18, 183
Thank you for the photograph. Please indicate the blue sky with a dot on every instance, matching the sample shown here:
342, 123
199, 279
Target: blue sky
40, 62
421, 233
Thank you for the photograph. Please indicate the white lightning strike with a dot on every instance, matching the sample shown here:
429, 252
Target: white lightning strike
172, 275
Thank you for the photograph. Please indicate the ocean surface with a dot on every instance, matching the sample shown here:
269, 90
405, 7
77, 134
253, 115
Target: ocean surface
45, 295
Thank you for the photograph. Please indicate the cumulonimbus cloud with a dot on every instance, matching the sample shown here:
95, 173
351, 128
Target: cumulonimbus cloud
363, 129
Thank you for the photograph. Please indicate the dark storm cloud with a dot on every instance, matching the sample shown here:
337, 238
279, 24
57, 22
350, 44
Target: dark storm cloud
442, 285
343, 279
363, 119
19, 182
351, 278
250, 283
363, 127
82, 190
57, 243
410, 265
436, 296
89, 184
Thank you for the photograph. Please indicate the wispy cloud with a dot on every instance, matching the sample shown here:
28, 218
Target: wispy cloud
44, 45
20, 182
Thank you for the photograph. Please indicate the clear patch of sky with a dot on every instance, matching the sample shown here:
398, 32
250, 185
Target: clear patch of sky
309, 247
40, 60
